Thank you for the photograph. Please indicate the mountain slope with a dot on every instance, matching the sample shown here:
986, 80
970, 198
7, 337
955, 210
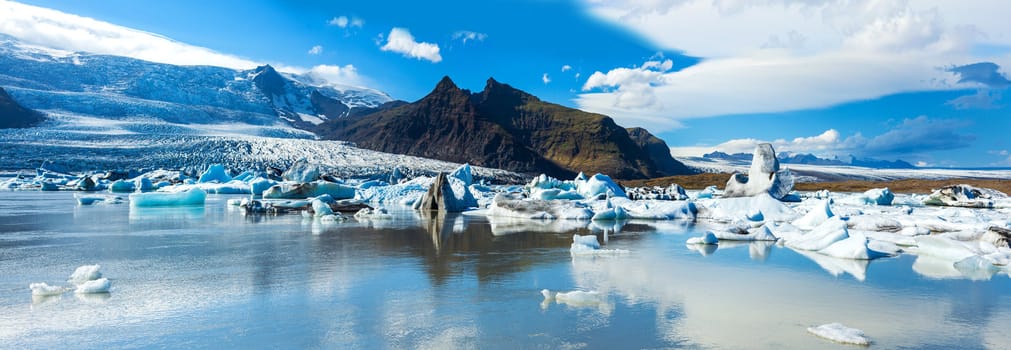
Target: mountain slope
13, 115
113, 87
505, 128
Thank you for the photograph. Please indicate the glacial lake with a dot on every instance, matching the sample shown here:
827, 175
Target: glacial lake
213, 277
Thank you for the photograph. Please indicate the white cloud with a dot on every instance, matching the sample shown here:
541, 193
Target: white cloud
466, 35
545, 78
316, 50
783, 55
342, 75
909, 139
633, 87
566, 68
58, 30
346, 22
401, 41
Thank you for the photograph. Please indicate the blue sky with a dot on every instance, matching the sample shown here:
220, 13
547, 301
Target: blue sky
921, 81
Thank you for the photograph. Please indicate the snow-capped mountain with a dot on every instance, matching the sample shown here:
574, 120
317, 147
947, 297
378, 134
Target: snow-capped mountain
114, 87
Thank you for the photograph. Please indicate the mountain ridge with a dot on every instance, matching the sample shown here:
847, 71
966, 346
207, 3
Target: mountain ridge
504, 127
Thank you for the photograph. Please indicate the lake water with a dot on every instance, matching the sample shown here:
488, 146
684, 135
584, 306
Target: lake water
212, 277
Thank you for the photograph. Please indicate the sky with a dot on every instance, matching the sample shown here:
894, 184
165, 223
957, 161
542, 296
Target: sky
923, 81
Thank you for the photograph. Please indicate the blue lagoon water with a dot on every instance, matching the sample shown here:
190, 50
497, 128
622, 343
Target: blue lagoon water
212, 277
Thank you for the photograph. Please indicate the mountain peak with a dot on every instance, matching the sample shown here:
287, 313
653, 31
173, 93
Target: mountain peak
446, 84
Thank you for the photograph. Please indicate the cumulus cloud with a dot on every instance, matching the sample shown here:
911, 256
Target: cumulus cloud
545, 79
55, 29
632, 87
401, 41
786, 55
336, 75
316, 50
910, 138
566, 68
346, 22
466, 35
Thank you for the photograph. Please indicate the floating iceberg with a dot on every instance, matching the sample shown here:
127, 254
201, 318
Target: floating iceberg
215, 173
100, 285
509, 205
708, 238
839, 333
763, 177
964, 196
92, 199
734, 233
588, 246
85, 273
259, 185
876, 196
122, 186
193, 196
310, 189
818, 214
302, 171
45, 290
575, 298
730, 209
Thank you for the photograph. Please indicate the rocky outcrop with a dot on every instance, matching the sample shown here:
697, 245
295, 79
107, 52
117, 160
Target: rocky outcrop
502, 127
764, 176
964, 196
13, 115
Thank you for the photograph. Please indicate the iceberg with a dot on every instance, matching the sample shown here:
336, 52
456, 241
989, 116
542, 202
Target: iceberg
259, 185
599, 185
85, 273
839, 333
100, 285
589, 246
143, 184
876, 196
707, 193
310, 189
509, 205
45, 290
447, 194
215, 173
730, 209
763, 177
674, 192
302, 171
193, 196
122, 186
741, 234
708, 238
818, 214
91, 199
575, 298
965, 196
821, 237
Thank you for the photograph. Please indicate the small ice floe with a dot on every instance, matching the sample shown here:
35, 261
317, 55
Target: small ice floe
192, 196
610, 212
85, 273
744, 233
708, 238
588, 246
839, 333
373, 214
290, 190
92, 199
729, 209
100, 285
215, 173
511, 205
818, 214
45, 290
965, 196
577, 298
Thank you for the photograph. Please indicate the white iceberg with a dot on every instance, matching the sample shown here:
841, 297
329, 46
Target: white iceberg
100, 285
193, 196
302, 171
965, 196
92, 199
509, 205
730, 209
259, 185
818, 214
122, 186
876, 196
829, 232
764, 176
839, 333
740, 233
85, 273
45, 290
589, 246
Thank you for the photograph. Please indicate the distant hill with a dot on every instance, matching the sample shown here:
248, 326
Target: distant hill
810, 159
503, 127
13, 115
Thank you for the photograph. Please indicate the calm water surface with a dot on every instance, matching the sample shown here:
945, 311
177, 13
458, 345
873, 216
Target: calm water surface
213, 278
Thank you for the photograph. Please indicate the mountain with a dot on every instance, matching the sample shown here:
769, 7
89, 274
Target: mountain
810, 159
502, 127
114, 87
13, 115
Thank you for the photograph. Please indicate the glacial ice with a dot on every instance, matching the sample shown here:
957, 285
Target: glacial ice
302, 171
736, 233
192, 196
45, 290
259, 185
509, 205
215, 172
708, 238
818, 214
100, 285
122, 186
730, 209
839, 333
965, 196
588, 246
764, 176
876, 196
290, 190
85, 273
575, 298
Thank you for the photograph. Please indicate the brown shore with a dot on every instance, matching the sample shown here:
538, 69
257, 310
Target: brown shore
920, 186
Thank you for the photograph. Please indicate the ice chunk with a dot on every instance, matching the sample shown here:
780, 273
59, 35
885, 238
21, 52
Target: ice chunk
122, 186
374, 214
730, 209
91, 199
708, 192
575, 298
309, 189
509, 205
879, 196
852, 247
741, 234
45, 290
943, 248
818, 214
302, 171
463, 173
100, 285
839, 333
258, 185
708, 238
965, 196
321, 205
193, 196
215, 172
611, 212
674, 192
85, 273
598, 185
878, 223
763, 177
659, 210
829, 232
143, 184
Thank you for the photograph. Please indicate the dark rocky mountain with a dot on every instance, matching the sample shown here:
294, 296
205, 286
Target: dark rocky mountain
13, 115
502, 127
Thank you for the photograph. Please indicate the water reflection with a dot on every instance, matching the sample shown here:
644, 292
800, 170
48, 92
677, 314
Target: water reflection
836, 266
188, 214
